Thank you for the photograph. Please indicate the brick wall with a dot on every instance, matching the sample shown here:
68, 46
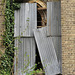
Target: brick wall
68, 36
2, 26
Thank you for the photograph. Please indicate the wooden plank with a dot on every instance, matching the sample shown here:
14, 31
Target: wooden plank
15, 61
33, 17
33, 47
22, 19
57, 46
20, 57
16, 21
47, 52
42, 8
17, 58
54, 26
49, 13
56, 23
25, 54
25, 20
40, 26
53, 18
28, 19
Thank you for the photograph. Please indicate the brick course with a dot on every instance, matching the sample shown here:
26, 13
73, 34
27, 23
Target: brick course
68, 36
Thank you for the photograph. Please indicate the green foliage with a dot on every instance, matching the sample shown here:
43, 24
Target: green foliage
6, 66
30, 71
34, 72
3, 72
16, 6
8, 38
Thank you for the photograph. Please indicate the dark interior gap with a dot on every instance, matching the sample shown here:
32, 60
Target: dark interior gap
39, 20
38, 61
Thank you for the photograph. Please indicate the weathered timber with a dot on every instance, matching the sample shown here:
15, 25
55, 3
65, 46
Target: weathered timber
24, 56
53, 18
42, 8
25, 20
47, 52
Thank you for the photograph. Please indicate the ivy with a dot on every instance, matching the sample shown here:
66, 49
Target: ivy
8, 38
6, 67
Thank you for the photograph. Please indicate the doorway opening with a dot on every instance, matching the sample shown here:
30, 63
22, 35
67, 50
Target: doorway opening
39, 20
41, 16
38, 61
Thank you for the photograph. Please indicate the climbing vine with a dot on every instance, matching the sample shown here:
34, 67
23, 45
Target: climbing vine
6, 67
8, 37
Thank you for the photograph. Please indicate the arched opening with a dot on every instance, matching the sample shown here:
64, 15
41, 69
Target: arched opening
41, 3
41, 16
41, 13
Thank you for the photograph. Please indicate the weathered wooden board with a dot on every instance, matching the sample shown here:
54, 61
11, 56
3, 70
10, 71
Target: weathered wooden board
53, 18
25, 20
25, 55
15, 57
57, 46
47, 52
17, 23
54, 26
49, 47
28, 19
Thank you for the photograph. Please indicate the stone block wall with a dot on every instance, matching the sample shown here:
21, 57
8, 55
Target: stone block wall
68, 36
